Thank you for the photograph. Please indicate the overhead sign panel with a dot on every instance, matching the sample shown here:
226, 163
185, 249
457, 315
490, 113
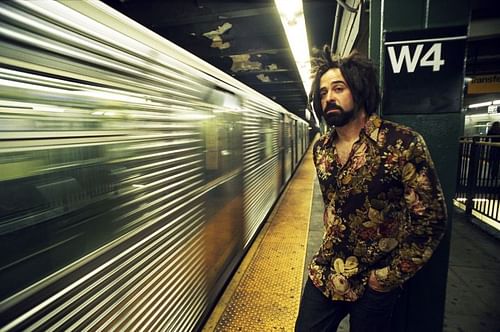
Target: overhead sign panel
484, 84
424, 70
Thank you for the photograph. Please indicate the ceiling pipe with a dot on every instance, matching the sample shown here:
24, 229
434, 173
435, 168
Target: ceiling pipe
341, 5
336, 26
346, 6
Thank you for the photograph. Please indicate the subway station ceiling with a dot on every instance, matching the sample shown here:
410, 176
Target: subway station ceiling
246, 39
483, 44
243, 38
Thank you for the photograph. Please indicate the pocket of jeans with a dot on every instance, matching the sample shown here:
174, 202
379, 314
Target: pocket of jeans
375, 301
376, 292
380, 298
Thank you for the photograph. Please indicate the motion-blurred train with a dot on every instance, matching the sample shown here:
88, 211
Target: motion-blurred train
133, 175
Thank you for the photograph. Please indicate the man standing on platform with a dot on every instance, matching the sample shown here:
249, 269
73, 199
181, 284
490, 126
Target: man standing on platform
385, 211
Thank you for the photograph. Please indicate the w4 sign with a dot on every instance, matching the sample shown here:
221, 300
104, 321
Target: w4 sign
423, 70
431, 58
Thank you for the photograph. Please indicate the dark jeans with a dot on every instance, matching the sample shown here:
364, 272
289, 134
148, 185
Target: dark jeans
371, 312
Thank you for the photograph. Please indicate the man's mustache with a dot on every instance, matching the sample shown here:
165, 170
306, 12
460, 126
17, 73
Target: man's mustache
333, 106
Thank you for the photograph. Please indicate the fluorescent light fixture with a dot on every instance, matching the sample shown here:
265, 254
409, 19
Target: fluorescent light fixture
496, 102
483, 115
292, 18
486, 103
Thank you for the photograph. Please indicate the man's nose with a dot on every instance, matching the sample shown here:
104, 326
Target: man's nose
330, 97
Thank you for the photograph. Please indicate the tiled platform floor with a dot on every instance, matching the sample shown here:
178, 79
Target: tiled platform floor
473, 288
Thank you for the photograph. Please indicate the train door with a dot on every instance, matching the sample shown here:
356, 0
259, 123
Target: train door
281, 151
223, 185
292, 143
287, 149
296, 142
300, 139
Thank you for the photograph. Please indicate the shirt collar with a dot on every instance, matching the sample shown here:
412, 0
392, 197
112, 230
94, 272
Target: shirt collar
372, 126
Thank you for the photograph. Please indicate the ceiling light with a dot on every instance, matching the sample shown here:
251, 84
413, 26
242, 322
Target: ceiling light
485, 116
292, 18
486, 103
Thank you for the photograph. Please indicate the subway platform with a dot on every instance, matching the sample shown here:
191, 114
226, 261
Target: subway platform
265, 291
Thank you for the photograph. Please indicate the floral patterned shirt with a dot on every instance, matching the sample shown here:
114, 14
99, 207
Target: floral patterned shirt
384, 210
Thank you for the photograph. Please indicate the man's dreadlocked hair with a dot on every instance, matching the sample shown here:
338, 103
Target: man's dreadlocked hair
359, 73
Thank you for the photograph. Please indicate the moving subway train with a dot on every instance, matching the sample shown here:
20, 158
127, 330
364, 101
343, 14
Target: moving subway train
133, 176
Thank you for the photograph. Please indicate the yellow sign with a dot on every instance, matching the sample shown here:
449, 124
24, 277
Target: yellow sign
484, 84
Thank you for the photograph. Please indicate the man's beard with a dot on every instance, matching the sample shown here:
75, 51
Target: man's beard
340, 118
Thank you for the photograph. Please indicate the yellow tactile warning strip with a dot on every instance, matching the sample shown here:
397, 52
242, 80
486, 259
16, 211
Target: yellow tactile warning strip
264, 294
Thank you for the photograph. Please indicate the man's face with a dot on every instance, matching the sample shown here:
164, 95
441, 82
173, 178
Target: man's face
336, 98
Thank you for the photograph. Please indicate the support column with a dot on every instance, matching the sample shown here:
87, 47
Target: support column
425, 94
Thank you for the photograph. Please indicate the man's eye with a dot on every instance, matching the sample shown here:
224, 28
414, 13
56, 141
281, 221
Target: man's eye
338, 90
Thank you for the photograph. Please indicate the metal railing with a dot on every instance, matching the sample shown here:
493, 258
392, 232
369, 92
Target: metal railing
478, 178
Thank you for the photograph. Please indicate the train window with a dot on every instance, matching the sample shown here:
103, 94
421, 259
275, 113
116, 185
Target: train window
266, 138
222, 132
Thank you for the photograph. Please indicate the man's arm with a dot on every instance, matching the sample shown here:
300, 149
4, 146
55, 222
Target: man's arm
427, 208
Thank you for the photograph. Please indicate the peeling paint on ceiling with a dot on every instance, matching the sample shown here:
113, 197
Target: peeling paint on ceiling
272, 66
241, 62
242, 38
216, 36
264, 78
